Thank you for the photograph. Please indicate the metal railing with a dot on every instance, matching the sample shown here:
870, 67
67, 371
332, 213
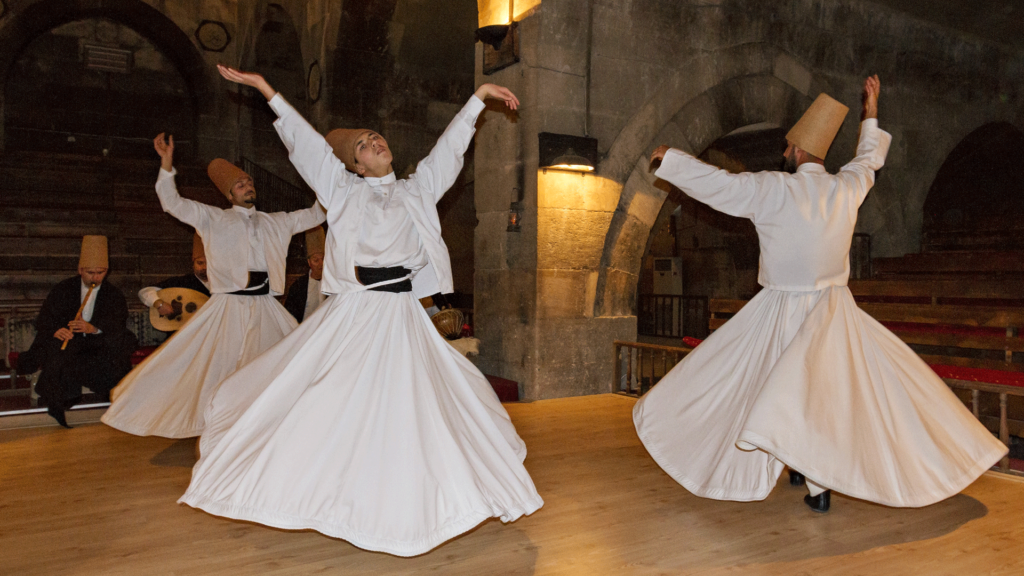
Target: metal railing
672, 316
638, 366
274, 193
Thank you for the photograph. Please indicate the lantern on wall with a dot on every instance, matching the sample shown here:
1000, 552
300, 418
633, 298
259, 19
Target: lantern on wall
565, 152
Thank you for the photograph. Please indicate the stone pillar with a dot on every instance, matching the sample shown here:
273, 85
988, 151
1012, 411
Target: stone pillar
535, 289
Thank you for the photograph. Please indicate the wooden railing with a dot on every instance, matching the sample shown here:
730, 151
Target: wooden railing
638, 366
976, 388
950, 323
672, 316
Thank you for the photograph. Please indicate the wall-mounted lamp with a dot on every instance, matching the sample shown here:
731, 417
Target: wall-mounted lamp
515, 216
501, 46
492, 35
564, 152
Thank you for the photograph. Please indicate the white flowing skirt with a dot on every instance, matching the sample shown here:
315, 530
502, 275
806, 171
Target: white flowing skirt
810, 380
167, 394
363, 424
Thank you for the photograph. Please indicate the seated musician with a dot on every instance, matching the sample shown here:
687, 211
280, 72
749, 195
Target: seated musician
81, 335
197, 281
304, 295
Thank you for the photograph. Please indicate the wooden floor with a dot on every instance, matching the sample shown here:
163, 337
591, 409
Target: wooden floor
96, 501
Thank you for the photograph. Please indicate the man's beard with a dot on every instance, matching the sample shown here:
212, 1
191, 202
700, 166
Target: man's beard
790, 165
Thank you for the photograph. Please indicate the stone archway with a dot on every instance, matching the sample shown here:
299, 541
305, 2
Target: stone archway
692, 125
27, 21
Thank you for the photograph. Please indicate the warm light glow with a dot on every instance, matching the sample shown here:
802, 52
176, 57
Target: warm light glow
496, 11
573, 167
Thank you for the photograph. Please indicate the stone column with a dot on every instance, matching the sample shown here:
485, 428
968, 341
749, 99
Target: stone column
534, 289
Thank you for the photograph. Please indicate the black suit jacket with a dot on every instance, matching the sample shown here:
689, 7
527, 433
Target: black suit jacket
110, 314
295, 301
95, 360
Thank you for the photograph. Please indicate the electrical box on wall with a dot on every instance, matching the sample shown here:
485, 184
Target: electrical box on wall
668, 276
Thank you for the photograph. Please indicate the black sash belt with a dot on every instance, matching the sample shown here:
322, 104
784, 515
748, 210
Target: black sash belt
367, 276
258, 285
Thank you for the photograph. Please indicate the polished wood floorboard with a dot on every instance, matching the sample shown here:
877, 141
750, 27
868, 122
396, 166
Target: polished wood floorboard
93, 500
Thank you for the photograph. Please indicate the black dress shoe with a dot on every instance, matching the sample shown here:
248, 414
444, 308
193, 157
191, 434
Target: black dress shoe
58, 415
819, 503
796, 478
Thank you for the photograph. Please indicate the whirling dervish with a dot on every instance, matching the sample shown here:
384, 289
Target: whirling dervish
801, 376
245, 250
363, 423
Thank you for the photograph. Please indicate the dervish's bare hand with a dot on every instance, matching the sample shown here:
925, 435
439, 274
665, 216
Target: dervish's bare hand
165, 148
64, 334
498, 93
659, 154
247, 78
872, 88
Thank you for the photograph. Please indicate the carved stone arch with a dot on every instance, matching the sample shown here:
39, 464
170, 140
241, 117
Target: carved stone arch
26, 21
749, 99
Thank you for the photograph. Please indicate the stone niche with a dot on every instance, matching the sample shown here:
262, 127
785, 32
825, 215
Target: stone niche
95, 87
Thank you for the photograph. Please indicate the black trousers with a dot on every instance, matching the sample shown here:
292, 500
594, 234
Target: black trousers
97, 362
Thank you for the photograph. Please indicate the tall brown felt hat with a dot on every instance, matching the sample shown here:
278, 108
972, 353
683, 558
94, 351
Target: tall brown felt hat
817, 128
315, 240
197, 247
94, 252
224, 175
343, 141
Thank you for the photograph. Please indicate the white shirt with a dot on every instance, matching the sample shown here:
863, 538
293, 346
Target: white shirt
87, 310
148, 295
804, 221
257, 260
387, 234
352, 201
233, 238
314, 297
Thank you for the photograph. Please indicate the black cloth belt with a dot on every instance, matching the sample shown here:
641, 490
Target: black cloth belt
367, 276
259, 285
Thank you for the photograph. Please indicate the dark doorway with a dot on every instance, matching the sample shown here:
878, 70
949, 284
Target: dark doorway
976, 202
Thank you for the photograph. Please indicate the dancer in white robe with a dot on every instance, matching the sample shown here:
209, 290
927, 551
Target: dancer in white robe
167, 394
363, 423
801, 375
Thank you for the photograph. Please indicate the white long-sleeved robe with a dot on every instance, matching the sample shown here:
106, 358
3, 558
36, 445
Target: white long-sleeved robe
363, 423
801, 375
167, 394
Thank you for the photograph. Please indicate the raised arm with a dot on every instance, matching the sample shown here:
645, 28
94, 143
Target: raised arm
307, 148
872, 145
195, 214
307, 218
733, 194
438, 171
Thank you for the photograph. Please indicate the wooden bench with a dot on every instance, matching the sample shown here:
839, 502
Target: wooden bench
972, 345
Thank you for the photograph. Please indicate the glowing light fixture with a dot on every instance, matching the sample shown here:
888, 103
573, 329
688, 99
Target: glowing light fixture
565, 152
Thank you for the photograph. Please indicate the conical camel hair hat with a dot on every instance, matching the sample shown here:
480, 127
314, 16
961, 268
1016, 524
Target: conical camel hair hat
315, 240
224, 175
94, 252
343, 141
197, 247
817, 128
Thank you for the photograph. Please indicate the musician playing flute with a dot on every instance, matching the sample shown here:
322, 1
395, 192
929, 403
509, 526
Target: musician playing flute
81, 338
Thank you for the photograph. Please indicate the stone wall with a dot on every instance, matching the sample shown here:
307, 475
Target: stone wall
552, 297
401, 67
